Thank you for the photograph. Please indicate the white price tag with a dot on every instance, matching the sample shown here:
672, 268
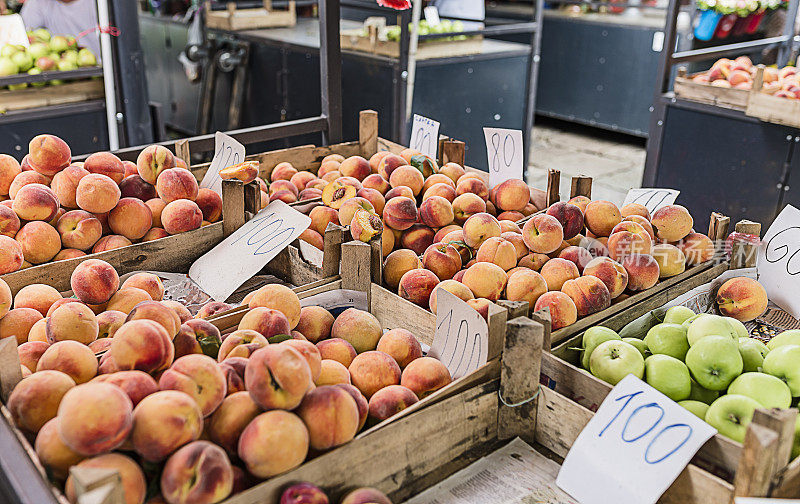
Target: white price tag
652, 199
339, 298
12, 30
763, 500
461, 340
248, 249
633, 448
505, 152
778, 261
425, 136
227, 152
432, 15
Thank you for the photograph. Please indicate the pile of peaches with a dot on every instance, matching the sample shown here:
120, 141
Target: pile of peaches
576, 259
56, 209
118, 378
739, 74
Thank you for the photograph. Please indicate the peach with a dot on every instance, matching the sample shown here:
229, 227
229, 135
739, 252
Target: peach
355, 166
94, 418
35, 202
110, 242
499, 251
315, 323
453, 170
38, 332
337, 349
40, 297
359, 328
635, 226
79, 230
30, 352
186, 343
11, 255
18, 323
480, 227
388, 164
472, 185
70, 357
309, 352
65, 254
273, 443
130, 167
330, 177
72, 321
148, 282
153, 160
557, 271
634, 209
400, 345
399, 191
301, 179
312, 237
337, 192
643, 271
397, 264
589, 294
455, 288
443, 191
48, 154
174, 408
134, 487
233, 368
332, 373
278, 297
349, 208
375, 160
65, 184
156, 206
181, 216
35, 400
143, 345
601, 216
200, 377
371, 371
175, 184
417, 238
610, 272
100, 346
569, 216
480, 305
511, 195
53, 453
245, 172
277, 377
24, 178
742, 298
578, 255
109, 322
425, 376
225, 426
366, 495
670, 259
436, 212
282, 171
131, 218
525, 285
136, 384
183, 313
212, 309
97, 193
9, 168
624, 243
105, 163
441, 233
5, 298
374, 197
103, 218
321, 216
563, 311
376, 182
40, 242
157, 312
407, 176
543, 234
672, 222
697, 248
134, 186
442, 259
485, 280
437, 178
400, 213
331, 415
389, 401
9, 222
124, 300
326, 167
416, 286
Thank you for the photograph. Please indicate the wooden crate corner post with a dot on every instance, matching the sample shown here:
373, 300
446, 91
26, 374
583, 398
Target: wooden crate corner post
10, 367
717, 232
182, 151
233, 206
368, 133
332, 249
357, 267
744, 253
452, 151
553, 193
581, 185
97, 486
767, 449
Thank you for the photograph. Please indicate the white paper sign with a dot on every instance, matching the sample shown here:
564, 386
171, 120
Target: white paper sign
227, 152
779, 261
461, 340
633, 448
505, 152
763, 500
432, 15
339, 298
248, 249
12, 30
653, 199
425, 136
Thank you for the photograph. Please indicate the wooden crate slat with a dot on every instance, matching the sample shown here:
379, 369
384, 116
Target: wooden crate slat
68, 92
730, 98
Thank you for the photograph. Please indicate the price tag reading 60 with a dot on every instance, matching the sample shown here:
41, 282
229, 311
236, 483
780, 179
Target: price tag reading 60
778, 261
425, 136
633, 448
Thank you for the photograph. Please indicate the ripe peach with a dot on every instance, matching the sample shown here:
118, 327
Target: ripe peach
321, 216
200, 377
105, 163
472, 185
11, 255
152, 161
53, 453
143, 345
245, 172
407, 176
9, 168
624, 243
94, 418
332, 373
273, 443
277, 376
437, 178
30, 352
134, 186
315, 323
180, 216
168, 407
578, 255
442, 259
148, 282
24, 178
278, 297
330, 177
365, 495
349, 208
65, 254
453, 170
670, 259
397, 264
124, 300
359, 328
525, 285
312, 237
643, 271
233, 368
400, 213
331, 416
480, 227
543, 234
134, 487
376, 182
374, 197
48, 154
389, 401
388, 164
309, 352
97, 193
5, 298
40, 242
634, 209
265, 321
485, 280
130, 167
371, 371
499, 251
601, 216
455, 288
9, 222
337, 192
131, 218
355, 166
70, 357
108, 322
156, 206
110, 242
65, 184
301, 179
72, 321
436, 212
79, 229
225, 426
212, 308
326, 167
35, 202
697, 248
512, 194
282, 171
40, 297
416, 286
136, 384
35, 400
183, 313
19, 323
337, 349
417, 238
610, 272
400, 345
399, 191
672, 222
569, 216
425, 376
557, 271
375, 160
742, 298
443, 191
589, 294
563, 311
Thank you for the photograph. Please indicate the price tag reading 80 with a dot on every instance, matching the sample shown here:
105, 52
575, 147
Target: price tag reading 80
778, 261
425, 136
633, 448
227, 152
505, 153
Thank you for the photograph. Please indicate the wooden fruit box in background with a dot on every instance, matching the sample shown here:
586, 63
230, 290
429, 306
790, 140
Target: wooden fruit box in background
234, 19
731, 98
772, 109
356, 40
34, 97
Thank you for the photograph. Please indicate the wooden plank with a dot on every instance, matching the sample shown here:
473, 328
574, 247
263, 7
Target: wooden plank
368, 133
354, 40
730, 98
553, 187
743, 253
182, 151
233, 19
35, 97
581, 186
757, 464
233, 206
787, 481
519, 379
453, 151
695, 485
394, 311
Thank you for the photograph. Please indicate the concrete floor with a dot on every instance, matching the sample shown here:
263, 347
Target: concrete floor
614, 161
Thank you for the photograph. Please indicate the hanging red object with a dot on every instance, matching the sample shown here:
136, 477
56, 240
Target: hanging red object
395, 4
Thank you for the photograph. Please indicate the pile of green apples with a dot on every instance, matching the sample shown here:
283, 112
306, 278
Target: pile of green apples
45, 53
425, 28
707, 363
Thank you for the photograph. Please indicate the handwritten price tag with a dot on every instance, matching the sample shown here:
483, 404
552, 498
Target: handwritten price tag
227, 152
461, 340
432, 15
248, 249
505, 151
653, 199
778, 261
633, 448
425, 136
339, 299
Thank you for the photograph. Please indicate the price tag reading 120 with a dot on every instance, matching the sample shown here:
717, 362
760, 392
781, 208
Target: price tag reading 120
778, 261
505, 153
633, 448
248, 249
227, 152
461, 341
425, 136
652, 199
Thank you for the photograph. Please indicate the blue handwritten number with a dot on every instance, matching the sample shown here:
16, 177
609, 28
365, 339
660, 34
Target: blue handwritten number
665, 429
274, 233
637, 410
630, 398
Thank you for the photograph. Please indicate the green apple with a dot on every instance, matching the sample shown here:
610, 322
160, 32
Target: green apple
678, 315
71, 56
668, 375
784, 362
8, 50
667, 339
739, 328
771, 392
7, 67
639, 344
686, 323
14, 87
701, 394
46, 64
42, 35
38, 49
613, 360
23, 61
66, 65
59, 44
753, 352
593, 337
715, 361
86, 58
731, 414
708, 325
790, 337
697, 408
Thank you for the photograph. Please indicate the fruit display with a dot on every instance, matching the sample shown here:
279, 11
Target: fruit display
118, 378
740, 73
425, 28
56, 209
46, 53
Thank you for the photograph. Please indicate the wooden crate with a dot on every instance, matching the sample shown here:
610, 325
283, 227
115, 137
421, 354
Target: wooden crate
34, 97
234, 19
356, 40
731, 98
770, 108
